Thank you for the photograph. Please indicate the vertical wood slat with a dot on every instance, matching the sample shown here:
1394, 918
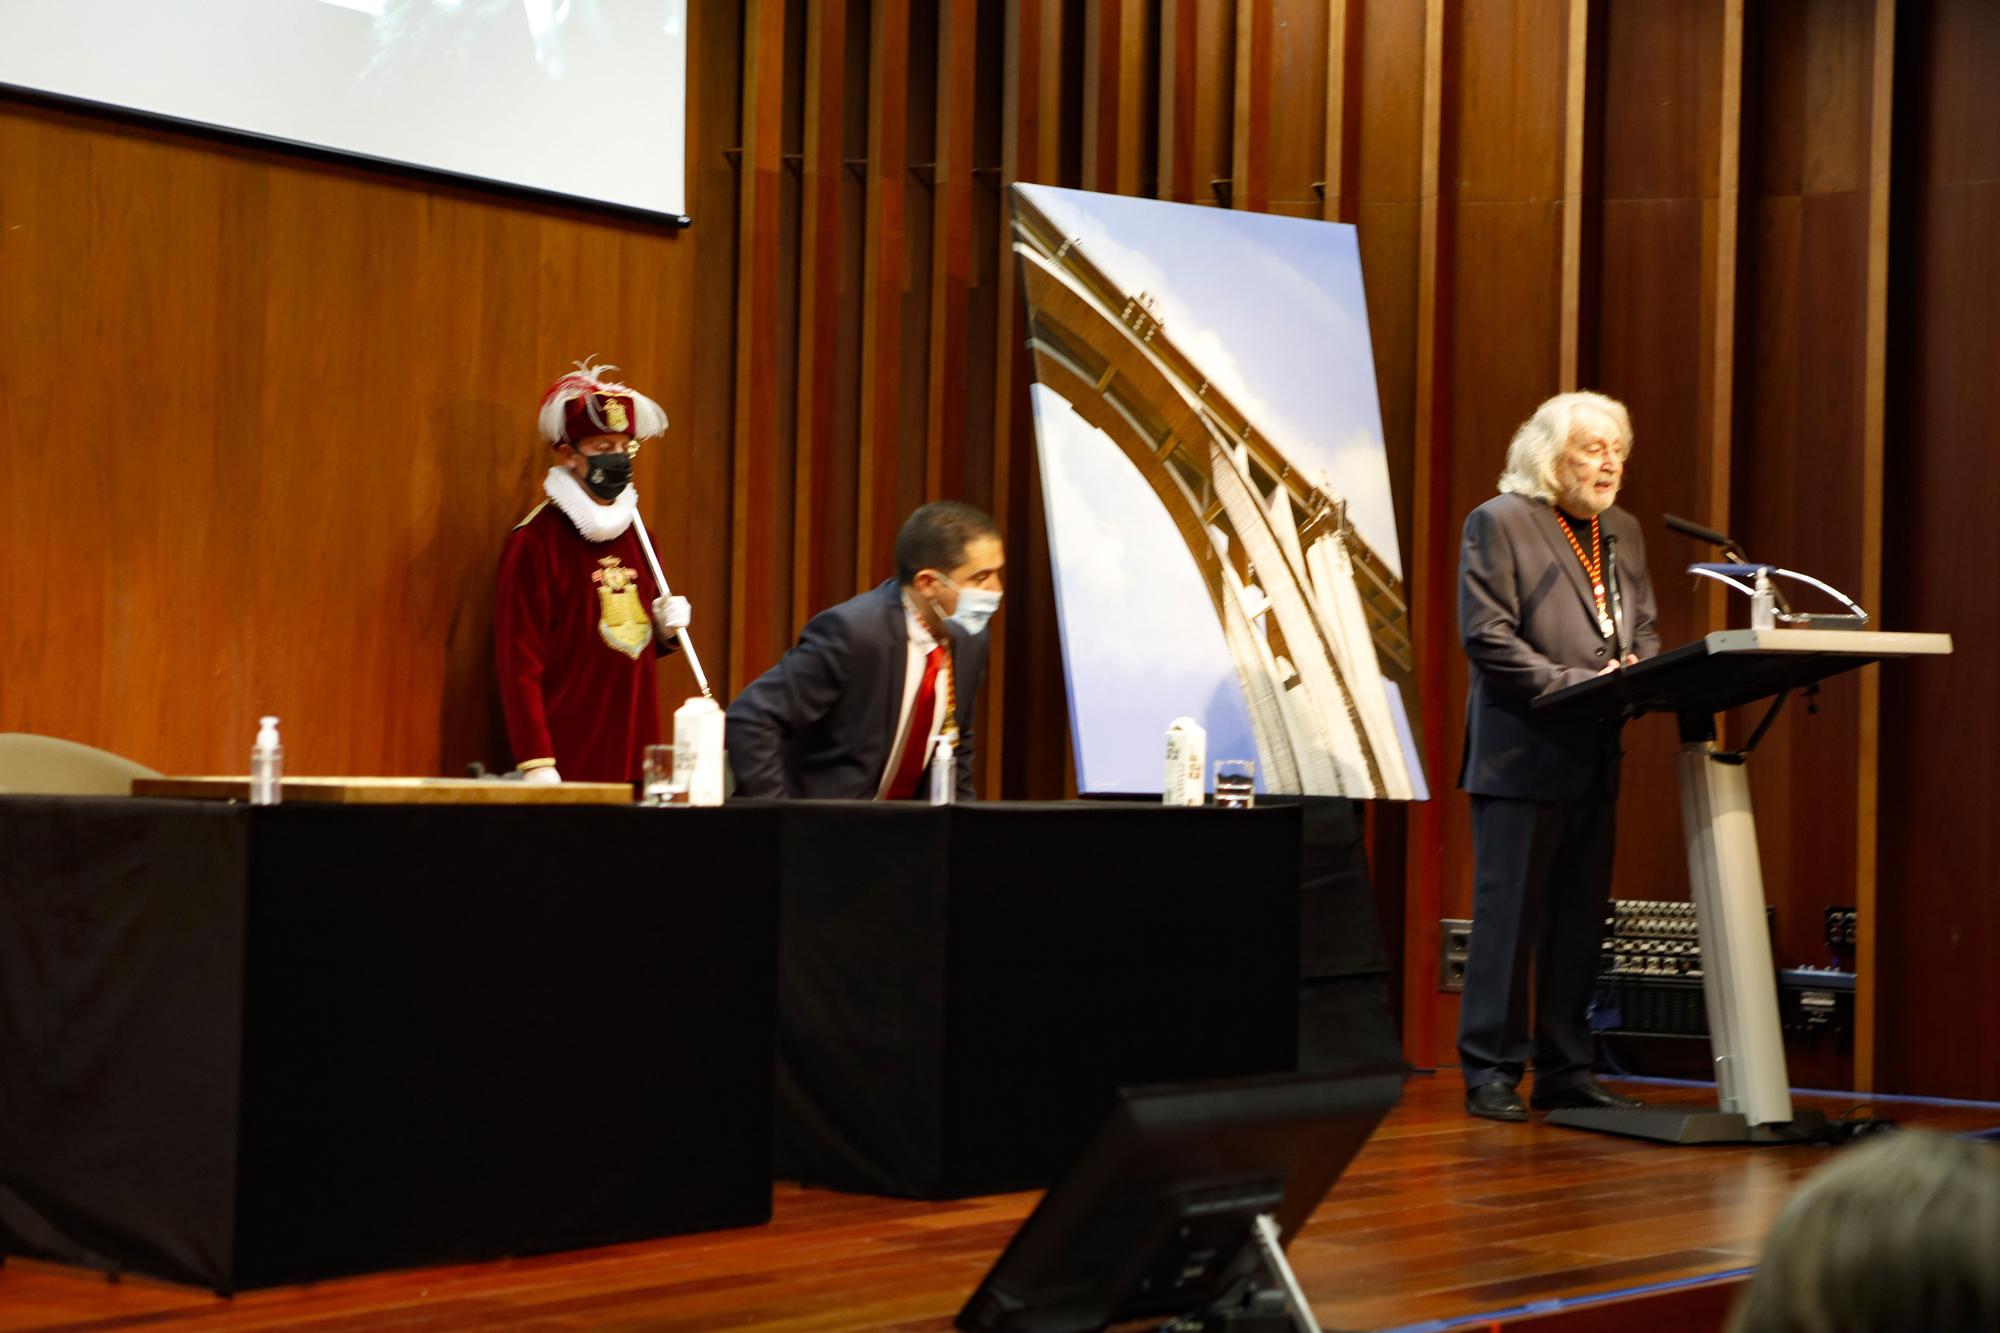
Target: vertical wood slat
703, 466
819, 279
1576, 84
1021, 158
753, 576
951, 256
1250, 160
1113, 89
1037, 764
1867, 806
1338, 199
1431, 564
1720, 297
883, 269
1179, 53
1196, 93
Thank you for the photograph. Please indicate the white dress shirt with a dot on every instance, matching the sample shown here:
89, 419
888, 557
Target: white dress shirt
918, 654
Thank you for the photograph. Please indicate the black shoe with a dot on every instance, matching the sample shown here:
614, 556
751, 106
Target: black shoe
1495, 1101
1581, 1096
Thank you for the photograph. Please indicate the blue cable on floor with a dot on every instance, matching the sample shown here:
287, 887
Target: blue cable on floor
1568, 1303
1869, 1097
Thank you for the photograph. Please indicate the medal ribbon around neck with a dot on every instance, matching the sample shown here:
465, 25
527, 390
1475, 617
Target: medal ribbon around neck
1593, 565
949, 731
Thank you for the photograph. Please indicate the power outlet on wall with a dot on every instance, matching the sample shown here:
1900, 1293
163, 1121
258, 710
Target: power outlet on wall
1454, 947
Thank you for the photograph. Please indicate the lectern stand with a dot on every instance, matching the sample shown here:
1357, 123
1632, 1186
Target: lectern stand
1695, 682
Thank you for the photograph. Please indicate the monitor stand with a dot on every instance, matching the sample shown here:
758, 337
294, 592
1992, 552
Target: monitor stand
1266, 1298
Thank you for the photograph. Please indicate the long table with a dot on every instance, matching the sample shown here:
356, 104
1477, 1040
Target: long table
252, 1045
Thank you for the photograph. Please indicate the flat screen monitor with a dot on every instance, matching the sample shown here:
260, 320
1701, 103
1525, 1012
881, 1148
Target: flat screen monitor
1154, 1219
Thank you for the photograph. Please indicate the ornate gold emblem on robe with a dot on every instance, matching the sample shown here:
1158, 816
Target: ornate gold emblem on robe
621, 620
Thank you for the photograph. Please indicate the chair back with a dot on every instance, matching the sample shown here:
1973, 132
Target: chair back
50, 766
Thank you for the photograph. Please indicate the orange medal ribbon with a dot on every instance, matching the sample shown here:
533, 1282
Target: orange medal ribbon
1593, 565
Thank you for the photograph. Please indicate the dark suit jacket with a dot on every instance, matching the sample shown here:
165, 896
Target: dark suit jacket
820, 722
1529, 627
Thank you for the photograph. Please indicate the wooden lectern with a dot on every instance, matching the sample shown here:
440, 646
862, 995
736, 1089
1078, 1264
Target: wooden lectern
1695, 682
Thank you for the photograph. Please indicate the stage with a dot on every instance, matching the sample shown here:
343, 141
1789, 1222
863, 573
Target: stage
1442, 1218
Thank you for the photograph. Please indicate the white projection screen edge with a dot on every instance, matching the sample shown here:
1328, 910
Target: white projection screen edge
582, 101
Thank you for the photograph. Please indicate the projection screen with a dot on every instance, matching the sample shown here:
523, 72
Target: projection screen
585, 98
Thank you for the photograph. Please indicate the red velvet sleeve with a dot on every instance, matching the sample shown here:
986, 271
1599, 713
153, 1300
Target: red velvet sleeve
520, 635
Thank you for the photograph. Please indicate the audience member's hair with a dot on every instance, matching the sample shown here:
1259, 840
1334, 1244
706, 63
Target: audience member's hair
935, 537
1897, 1234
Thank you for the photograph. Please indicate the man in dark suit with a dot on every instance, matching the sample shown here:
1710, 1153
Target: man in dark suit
1537, 611
877, 687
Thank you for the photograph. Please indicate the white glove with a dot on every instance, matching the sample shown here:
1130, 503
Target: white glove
671, 613
544, 776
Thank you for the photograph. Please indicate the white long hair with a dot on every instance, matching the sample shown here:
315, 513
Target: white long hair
1535, 453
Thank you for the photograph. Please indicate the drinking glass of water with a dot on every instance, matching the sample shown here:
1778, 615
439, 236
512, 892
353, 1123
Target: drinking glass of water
1235, 784
660, 787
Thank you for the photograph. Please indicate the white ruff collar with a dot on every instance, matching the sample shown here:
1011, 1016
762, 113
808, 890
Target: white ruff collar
595, 522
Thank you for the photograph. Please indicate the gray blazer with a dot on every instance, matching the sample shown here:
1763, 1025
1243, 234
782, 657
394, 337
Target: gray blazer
1529, 627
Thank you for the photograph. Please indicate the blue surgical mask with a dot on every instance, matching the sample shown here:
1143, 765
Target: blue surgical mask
975, 607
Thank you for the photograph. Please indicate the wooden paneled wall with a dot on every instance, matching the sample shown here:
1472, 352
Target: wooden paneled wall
267, 418
1935, 942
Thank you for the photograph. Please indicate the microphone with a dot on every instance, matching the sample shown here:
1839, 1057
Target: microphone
1617, 602
1695, 530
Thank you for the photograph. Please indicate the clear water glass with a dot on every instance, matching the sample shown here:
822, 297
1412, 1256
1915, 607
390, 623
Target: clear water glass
1235, 784
660, 786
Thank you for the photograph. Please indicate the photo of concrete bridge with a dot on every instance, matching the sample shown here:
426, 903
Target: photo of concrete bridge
1316, 623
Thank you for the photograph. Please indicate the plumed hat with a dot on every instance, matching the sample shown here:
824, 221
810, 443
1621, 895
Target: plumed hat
584, 403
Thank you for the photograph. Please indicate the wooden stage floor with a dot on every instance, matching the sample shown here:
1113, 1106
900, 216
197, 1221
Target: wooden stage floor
1442, 1217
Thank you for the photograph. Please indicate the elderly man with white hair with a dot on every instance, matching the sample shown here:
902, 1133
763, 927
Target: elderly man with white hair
1538, 611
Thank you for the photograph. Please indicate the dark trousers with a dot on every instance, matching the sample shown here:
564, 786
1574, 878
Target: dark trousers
1541, 875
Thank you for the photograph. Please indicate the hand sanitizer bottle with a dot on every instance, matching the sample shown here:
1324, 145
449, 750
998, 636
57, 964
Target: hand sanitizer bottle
1764, 603
267, 763
944, 772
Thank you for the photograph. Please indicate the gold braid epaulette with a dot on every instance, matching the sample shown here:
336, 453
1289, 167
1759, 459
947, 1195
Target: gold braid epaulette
950, 729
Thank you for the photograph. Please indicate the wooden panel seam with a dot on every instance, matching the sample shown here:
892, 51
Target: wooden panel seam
951, 257
819, 278
1575, 88
1250, 159
751, 485
1343, 109
1873, 427
1426, 853
1711, 609
884, 271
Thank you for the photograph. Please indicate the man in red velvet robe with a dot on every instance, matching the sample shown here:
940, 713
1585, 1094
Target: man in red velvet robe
579, 618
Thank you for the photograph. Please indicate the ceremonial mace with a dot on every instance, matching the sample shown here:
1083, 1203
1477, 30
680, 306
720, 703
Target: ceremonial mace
687, 644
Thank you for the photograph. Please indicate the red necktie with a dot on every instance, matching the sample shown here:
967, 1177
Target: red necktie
916, 738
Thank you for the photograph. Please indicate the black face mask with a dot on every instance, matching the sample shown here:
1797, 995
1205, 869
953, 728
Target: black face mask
608, 475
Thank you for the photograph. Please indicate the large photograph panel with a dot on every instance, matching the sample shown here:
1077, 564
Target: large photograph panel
1217, 493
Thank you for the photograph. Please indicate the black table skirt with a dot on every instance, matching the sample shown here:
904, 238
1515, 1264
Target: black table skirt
1347, 1022
963, 989
248, 1046
244, 1046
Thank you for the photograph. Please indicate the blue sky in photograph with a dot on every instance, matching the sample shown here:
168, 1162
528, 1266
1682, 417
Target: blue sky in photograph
1141, 644
1272, 310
